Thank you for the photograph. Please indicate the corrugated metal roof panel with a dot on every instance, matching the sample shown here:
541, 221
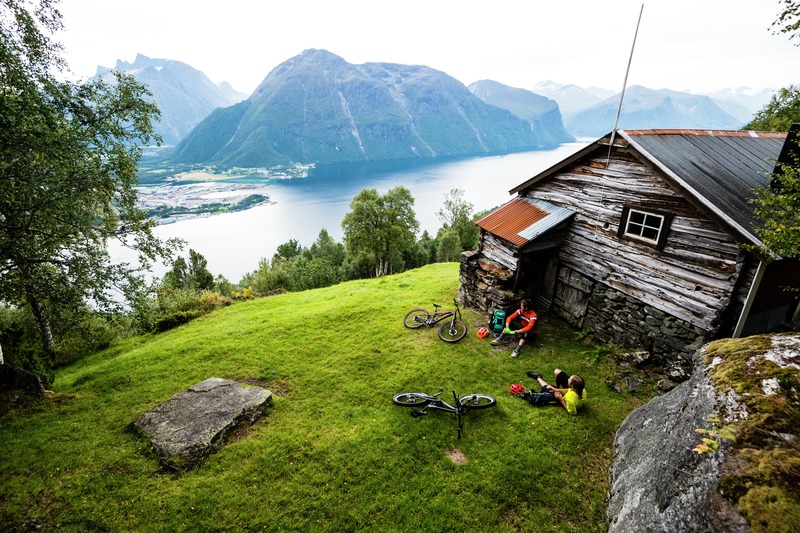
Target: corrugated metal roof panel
522, 219
556, 215
722, 168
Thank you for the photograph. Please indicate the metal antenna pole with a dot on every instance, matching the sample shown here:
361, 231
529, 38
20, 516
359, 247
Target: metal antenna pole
624, 84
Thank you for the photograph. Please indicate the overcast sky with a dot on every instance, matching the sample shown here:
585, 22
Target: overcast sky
684, 45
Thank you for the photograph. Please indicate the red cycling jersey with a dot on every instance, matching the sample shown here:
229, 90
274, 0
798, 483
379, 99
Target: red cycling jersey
527, 317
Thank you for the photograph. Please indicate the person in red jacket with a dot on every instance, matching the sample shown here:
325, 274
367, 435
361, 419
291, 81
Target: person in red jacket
521, 322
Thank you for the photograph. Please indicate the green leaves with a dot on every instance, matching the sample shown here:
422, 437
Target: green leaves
69, 158
778, 209
716, 435
788, 20
779, 113
380, 229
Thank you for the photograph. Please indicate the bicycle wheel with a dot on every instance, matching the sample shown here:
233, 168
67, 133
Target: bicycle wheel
477, 401
416, 318
411, 399
452, 332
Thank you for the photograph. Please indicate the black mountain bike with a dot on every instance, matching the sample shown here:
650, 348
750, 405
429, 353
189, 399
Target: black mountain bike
426, 402
452, 331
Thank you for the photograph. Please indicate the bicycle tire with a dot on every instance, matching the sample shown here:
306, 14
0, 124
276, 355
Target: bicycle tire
477, 401
411, 399
453, 332
416, 318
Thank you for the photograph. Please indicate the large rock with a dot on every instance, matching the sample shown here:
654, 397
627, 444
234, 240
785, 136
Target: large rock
658, 483
743, 394
194, 423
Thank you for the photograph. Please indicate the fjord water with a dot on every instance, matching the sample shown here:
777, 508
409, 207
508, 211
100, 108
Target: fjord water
234, 243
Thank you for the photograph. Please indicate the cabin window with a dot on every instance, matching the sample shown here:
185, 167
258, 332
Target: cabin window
649, 227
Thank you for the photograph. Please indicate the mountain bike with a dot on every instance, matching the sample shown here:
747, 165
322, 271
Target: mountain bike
452, 331
426, 402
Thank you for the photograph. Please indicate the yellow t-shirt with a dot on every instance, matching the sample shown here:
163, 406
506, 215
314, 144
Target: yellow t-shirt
573, 401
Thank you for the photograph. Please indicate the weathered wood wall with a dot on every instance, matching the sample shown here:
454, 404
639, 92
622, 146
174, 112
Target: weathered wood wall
691, 279
499, 250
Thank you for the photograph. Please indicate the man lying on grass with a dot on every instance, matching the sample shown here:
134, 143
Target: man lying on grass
569, 391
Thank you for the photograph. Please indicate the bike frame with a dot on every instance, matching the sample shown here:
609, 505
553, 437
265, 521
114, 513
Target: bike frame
438, 404
437, 316
421, 403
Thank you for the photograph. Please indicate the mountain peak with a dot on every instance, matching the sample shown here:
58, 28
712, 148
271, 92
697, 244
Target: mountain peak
318, 108
184, 95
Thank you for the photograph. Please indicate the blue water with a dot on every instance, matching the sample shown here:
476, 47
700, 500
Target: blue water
234, 243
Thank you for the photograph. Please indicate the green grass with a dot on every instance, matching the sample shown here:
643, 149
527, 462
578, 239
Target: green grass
332, 453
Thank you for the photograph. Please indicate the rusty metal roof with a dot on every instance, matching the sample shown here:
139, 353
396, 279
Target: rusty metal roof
523, 219
718, 169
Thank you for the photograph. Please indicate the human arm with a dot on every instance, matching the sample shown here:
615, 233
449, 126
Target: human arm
511, 317
529, 319
570, 406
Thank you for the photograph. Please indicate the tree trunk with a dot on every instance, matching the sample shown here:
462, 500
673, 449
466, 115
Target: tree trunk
45, 333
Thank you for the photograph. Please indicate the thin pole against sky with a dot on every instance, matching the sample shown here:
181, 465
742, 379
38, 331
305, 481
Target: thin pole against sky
625, 82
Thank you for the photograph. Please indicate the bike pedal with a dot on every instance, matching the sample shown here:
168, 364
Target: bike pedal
415, 413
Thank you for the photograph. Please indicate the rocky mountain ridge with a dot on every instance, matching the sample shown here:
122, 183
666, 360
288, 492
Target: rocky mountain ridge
184, 95
401, 111
740, 103
318, 108
542, 113
644, 108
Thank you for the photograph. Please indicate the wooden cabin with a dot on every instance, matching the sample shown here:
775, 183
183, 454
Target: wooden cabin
638, 237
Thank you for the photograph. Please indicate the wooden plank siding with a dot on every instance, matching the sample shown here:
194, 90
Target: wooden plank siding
692, 278
499, 250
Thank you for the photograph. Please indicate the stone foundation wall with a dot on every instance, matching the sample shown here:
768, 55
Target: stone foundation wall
485, 285
615, 317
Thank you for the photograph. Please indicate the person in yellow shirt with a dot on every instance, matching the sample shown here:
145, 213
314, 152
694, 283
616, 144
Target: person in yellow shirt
570, 391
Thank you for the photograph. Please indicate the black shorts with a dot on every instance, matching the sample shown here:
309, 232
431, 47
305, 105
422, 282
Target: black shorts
517, 325
562, 380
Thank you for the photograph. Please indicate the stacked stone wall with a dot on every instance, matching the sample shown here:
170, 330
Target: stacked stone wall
485, 285
618, 318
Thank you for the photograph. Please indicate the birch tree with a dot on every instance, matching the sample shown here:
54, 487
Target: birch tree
68, 162
381, 228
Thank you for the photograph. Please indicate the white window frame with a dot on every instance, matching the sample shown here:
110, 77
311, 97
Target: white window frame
651, 230
637, 230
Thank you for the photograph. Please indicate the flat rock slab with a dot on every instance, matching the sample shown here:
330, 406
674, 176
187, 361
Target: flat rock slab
194, 423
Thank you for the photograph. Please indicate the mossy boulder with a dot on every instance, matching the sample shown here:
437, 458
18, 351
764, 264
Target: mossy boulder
720, 452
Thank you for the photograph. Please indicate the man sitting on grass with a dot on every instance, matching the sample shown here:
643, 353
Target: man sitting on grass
523, 321
569, 391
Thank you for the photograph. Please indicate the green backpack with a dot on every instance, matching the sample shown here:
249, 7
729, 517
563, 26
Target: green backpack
498, 321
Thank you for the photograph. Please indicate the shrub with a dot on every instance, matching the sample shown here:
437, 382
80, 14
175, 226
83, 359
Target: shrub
175, 319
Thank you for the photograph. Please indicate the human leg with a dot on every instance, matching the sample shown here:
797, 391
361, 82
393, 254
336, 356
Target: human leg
561, 378
540, 398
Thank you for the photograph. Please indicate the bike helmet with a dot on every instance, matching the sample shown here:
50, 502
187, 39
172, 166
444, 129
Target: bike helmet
517, 390
483, 333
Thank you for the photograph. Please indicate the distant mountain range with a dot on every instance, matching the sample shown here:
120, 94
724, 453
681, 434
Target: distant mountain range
591, 112
318, 108
184, 95
542, 113
644, 108
571, 98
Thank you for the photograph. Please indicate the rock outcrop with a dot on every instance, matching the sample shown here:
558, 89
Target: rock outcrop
194, 423
665, 478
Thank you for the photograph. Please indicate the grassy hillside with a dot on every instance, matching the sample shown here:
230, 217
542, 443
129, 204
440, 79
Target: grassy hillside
332, 453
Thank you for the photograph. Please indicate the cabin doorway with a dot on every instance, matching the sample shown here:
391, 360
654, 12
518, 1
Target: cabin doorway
536, 277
